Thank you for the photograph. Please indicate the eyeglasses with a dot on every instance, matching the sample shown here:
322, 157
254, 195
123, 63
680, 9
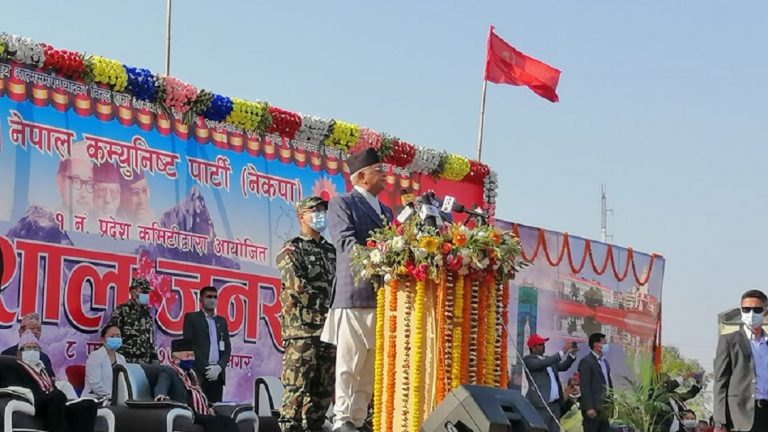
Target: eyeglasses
78, 183
755, 309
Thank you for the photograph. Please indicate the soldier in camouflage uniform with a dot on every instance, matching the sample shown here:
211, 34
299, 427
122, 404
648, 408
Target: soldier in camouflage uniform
307, 266
136, 325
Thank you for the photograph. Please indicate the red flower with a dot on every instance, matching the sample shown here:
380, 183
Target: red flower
371, 244
420, 273
400, 230
454, 262
446, 248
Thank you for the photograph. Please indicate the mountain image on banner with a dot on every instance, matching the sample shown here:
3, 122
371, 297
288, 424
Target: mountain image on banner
191, 215
39, 224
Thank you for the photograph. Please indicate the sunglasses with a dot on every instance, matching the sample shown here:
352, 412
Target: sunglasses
755, 309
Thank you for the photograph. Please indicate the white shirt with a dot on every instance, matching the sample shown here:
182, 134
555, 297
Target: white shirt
98, 373
213, 349
760, 356
601, 361
372, 200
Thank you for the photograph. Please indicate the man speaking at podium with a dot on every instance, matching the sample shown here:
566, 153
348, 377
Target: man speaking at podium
351, 322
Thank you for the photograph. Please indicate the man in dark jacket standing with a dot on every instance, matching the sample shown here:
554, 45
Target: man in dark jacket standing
351, 323
596, 382
210, 339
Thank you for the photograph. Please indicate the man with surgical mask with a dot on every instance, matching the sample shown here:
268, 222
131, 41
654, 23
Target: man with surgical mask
741, 371
136, 325
307, 266
186, 389
596, 384
209, 336
688, 422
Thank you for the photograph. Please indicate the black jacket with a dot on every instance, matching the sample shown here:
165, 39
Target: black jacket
196, 330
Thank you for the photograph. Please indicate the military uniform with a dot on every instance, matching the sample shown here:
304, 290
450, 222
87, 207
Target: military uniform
137, 329
307, 268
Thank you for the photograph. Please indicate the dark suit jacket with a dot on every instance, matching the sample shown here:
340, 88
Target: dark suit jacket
593, 385
169, 384
350, 222
538, 374
12, 350
734, 382
196, 330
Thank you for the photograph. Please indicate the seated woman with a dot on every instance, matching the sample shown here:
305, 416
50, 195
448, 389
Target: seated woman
98, 367
50, 402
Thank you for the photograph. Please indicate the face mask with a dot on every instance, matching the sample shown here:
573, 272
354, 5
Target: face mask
143, 299
318, 221
690, 424
30, 357
576, 396
186, 364
114, 343
752, 320
209, 303
606, 348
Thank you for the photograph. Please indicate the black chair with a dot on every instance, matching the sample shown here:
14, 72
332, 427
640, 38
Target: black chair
133, 399
267, 397
18, 413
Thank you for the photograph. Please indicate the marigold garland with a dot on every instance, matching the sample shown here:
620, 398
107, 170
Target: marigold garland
378, 371
449, 318
466, 331
406, 365
498, 365
441, 339
391, 357
417, 379
490, 344
458, 337
482, 330
504, 379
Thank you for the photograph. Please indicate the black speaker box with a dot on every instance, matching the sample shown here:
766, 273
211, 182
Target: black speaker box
471, 408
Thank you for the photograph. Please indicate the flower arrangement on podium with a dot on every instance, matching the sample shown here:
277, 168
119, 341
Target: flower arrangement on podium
440, 302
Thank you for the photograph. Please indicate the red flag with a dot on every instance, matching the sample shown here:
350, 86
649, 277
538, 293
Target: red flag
506, 65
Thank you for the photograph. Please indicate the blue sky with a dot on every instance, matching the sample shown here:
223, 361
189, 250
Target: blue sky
662, 101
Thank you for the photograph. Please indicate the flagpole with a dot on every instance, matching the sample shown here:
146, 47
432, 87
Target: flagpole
168, 39
482, 122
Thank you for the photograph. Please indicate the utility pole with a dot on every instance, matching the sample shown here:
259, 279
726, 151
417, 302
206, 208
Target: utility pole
604, 210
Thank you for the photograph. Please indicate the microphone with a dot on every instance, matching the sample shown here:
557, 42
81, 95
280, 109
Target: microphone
406, 199
459, 208
429, 214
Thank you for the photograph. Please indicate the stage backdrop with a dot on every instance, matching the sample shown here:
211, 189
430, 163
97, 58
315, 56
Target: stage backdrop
192, 205
577, 287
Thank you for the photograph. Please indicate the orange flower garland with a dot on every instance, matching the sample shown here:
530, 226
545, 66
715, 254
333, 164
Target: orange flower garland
417, 379
391, 357
378, 371
458, 325
440, 375
450, 309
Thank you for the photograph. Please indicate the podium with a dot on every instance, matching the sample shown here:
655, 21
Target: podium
442, 314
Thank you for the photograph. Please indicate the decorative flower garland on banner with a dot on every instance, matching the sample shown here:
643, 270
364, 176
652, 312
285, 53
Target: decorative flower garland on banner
249, 116
466, 331
343, 135
454, 167
440, 317
176, 96
313, 130
426, 161
68, 64
479, 340
284, 123
141, 84
108, 72
498, 366
406, 365
378, 371
219, 108
504, 378
23, 50
490, 339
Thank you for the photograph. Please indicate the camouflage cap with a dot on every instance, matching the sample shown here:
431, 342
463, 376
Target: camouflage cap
140, 284
310, 202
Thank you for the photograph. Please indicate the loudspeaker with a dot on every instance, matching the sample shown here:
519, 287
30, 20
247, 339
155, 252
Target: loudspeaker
472, 408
